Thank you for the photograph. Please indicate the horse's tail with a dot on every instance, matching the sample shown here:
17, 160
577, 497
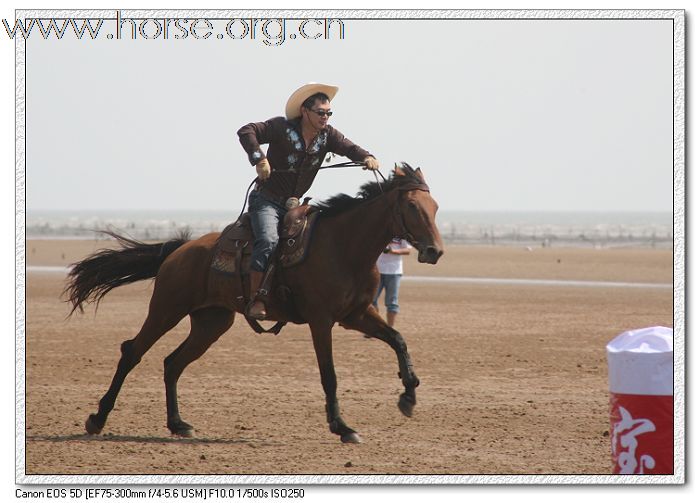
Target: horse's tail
92, 278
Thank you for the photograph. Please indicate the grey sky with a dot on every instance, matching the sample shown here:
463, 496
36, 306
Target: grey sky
563, 115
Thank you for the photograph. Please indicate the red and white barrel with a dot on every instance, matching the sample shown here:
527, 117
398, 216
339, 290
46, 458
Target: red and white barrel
640, 376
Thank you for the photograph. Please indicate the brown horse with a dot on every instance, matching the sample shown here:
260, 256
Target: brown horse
336, 283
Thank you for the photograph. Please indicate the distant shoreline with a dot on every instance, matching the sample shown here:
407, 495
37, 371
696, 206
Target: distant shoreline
531, 228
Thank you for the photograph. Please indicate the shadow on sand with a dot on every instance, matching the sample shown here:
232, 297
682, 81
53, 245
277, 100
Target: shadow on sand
148, 440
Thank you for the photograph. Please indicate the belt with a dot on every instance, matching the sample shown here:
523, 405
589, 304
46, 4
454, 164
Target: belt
285, 202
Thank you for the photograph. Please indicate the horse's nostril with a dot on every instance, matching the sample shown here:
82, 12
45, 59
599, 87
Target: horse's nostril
433, 253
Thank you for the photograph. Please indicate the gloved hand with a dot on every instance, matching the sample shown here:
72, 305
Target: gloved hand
263, 169
371, 163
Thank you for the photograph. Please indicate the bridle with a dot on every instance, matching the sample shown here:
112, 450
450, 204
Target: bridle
400, 227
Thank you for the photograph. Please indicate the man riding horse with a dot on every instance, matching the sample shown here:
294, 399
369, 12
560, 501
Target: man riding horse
298, 144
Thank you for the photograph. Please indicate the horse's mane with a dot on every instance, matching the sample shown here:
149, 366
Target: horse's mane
340, 203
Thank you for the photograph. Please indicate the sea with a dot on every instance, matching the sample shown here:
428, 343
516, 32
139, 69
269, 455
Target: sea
529, 229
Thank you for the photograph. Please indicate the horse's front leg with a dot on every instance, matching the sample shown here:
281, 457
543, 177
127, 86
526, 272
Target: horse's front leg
371, 324
323, 345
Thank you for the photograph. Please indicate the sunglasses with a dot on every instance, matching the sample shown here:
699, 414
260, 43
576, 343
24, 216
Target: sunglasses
321, 113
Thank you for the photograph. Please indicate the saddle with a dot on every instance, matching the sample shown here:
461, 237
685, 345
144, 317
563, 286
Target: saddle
295, 237
232, 259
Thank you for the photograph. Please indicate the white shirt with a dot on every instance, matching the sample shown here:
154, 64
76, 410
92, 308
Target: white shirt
388, 263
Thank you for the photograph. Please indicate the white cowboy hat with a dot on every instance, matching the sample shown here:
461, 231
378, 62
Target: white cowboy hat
292, 110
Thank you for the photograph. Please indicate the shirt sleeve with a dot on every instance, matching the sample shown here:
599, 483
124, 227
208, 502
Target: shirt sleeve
338, 144
253, 135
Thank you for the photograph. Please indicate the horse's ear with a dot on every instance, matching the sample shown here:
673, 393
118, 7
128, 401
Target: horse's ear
398, 170
419, 174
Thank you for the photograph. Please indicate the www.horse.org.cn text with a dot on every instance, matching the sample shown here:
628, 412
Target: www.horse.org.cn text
271, 32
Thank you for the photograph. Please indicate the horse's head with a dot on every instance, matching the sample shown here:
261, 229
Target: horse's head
414, 218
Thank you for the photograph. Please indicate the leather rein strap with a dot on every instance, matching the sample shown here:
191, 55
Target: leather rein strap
349, 164
398, 217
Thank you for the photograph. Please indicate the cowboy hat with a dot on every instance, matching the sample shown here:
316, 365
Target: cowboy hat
292, 110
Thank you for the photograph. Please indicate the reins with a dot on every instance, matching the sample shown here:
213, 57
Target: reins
349, 164
245, 200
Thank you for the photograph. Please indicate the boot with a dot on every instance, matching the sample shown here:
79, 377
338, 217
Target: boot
256, 308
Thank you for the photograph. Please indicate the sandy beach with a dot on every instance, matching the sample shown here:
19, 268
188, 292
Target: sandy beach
513, 376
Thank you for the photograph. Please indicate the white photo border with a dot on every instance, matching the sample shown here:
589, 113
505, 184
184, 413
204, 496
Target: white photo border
679, 269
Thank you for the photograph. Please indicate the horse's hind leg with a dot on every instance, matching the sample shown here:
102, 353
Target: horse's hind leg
370, 323
155, 326
207, 326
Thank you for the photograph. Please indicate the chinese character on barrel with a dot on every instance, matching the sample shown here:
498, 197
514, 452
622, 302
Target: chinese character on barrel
640, 375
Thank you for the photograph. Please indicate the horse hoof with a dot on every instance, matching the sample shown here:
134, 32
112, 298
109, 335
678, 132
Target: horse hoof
351, 438
91, 426
406, 405
182, 429
185, 433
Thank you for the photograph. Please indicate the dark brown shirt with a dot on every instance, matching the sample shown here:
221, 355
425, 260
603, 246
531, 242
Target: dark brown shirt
293, 164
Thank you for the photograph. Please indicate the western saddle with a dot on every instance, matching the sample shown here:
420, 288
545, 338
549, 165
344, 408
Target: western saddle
232, 259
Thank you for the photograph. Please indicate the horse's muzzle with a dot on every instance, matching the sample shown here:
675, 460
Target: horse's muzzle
429, 255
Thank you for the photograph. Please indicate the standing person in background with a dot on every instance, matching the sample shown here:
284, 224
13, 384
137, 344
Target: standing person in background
390, 265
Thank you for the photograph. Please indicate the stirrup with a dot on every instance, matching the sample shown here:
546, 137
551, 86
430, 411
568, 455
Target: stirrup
260, 315
257, 328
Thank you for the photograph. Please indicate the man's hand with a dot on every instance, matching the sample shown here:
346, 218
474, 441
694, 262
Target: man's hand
263, 169
371, 163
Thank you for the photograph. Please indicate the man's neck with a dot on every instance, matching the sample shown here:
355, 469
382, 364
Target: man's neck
308, 130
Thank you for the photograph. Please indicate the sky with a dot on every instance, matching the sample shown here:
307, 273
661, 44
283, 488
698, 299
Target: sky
500, 114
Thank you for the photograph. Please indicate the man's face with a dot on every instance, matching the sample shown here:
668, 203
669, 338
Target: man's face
312, 116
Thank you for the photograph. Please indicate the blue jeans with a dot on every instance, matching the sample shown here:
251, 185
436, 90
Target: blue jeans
390, 282
265, 216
